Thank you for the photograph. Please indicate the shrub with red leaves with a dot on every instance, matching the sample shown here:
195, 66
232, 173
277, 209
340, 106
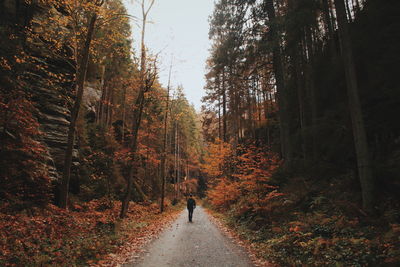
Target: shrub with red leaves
24, 177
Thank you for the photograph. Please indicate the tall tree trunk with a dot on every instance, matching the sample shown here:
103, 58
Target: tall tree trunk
327, 18
266, 113
101, 101
348, 11
145, 85
309, 79
137, 117
235, 109
301, 99
178, 168
359, 134
123, 115
249, 123
329, 27
224, 107
282, 94
103, 105
81, 77
164, 154
110, 109
219, 119
259, 106
175, 159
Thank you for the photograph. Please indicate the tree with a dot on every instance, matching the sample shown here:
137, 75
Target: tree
282, 93
147, 78
359, 134
80, 80
164, 155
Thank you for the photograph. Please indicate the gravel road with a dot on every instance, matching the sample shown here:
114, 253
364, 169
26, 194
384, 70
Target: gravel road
199, 243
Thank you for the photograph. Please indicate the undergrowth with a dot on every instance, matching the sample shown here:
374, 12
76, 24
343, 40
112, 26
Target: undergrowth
88, 235
316, 225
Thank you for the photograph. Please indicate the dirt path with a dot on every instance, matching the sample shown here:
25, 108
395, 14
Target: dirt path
193, 244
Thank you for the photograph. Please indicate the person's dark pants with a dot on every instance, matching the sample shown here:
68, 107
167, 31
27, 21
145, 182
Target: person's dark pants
190, 214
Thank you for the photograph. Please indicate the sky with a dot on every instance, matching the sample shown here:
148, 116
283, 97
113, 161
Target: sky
178, 31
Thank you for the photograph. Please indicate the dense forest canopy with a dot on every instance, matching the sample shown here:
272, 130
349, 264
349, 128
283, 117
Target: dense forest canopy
301, 116
305, 78
297, 145
44, 64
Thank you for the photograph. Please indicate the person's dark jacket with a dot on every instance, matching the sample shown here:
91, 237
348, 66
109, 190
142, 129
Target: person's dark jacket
191, 203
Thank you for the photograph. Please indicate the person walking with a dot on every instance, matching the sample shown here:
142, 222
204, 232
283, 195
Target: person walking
191, 205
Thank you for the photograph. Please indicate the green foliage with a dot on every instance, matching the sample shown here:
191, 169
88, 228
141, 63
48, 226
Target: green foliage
184, 115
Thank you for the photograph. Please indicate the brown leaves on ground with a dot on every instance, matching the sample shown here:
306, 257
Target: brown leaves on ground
136, 235
316, 239
91, 234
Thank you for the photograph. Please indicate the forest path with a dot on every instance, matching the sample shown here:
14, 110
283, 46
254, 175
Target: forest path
199, 243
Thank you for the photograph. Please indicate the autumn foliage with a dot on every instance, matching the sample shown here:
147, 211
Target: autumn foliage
216, 158
301, 222
24, 177
242, 177
91, 234
44, 44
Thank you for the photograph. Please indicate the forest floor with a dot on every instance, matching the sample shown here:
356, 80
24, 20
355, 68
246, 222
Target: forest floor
89, 234
314, 225
199, 243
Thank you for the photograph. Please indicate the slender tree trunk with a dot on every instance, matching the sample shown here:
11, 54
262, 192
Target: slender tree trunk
164, 155
219, 119
100, 102
133, 148
248, 122
123, 115
327, 18
259, 106
110, 108
224, 107
300, 99
326, 6
359, 133
282, 93
144, 87
103, 105
178, 169
175, 160
348, 11
81, 77
311, 90
266, 113
235, 106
